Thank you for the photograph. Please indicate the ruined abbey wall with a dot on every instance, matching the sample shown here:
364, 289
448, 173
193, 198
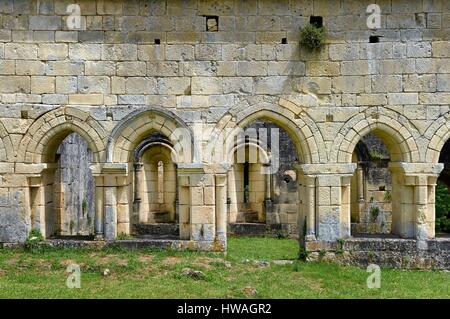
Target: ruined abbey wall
135, 67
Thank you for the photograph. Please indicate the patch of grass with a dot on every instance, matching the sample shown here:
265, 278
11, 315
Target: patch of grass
158, 274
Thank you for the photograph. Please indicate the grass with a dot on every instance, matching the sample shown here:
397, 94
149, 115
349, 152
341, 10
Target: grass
157, 274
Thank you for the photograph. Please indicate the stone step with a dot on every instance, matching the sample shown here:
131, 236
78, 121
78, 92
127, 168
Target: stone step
157, 229
248, 229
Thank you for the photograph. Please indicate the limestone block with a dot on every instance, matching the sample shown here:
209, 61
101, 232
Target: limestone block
135, 68
403, 98
52, 51
21, 51
241, 52
169, 85
443, 82
240, 85
86, 99
94, 84
42, 22
224, 68
100, 68
271, 85
66, 36
178, 52
13, 84
202, 214
42, 84
256, 68
208, 52
85, 51
420, 83
314, 68
132, 99
358, 68
117, 85
162, 23
151, 52
66, 84
64, 68
197, 68
57, 99
386, 83
139, 85
120, 52
441, 49
418, 49
348, 84
8, 67
206, 85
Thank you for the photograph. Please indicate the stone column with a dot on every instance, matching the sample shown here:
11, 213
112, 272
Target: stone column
99, 207
137, 203
310, 207
221, 208
360, 186
422, 218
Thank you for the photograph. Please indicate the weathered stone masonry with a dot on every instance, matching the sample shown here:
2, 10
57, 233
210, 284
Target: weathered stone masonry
139, 67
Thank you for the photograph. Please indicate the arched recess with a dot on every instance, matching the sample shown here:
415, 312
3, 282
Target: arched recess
307, 144
139, 133
401, 146
248, 186
40, 145
138, 125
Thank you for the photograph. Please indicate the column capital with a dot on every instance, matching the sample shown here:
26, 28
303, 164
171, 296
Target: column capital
417, 169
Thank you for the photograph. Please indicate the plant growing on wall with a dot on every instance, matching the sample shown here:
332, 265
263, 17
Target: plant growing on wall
312, 36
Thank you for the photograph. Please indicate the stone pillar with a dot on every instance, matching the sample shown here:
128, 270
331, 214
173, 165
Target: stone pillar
331, 213
221, 208
123, 212
99, 207
110, 229
415, 185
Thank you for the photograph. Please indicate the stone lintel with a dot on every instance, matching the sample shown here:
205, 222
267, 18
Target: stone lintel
326, 169
117, 169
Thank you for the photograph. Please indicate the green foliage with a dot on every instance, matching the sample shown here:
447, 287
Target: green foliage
34, 239
312, 37
84, 206
442, 208
123, 236
374, 212
388, 196
374, 154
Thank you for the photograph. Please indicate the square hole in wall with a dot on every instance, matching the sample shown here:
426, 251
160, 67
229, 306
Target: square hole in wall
316, 21
24, 114
284, 41
374, 39
157, 41
329, 118
382, 188
212, 23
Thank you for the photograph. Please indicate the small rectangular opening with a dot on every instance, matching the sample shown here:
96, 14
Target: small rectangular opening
374, 39
382, 188
284, 41
157, 41
329, 118
24, 114
212, 23
316, 21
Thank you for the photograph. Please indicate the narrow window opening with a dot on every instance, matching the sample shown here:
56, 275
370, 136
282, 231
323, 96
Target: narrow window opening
157, 41
284, 41
160, 182
246, 182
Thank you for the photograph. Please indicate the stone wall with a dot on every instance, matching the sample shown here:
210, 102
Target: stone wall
136, 67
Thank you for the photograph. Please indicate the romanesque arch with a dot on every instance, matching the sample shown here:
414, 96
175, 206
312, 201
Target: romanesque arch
138, 125
6, 145
397, 136
42, 139
438, 134
286, 114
